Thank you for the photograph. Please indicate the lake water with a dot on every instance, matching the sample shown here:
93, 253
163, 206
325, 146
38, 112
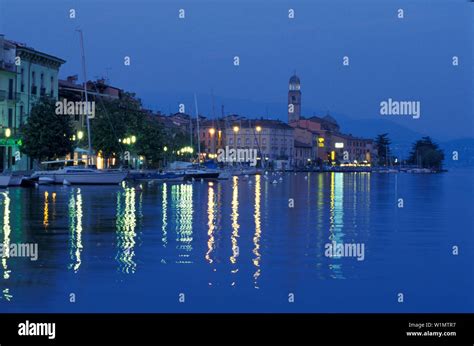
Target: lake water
243, 245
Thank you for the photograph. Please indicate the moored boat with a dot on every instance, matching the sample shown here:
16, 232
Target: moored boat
74, 175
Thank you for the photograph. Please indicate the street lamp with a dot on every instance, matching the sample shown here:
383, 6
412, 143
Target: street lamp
236, 129
80, 135
212, 131
133, 139
165, 148
8, 132
259, 131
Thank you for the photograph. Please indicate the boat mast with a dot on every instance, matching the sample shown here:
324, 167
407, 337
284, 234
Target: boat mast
89, 152
197, 127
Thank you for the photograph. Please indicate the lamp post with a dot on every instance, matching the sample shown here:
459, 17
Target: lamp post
259, 131
236, 130
165, 149
212, 131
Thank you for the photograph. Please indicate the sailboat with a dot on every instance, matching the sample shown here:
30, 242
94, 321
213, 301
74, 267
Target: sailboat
198, 172
80, 175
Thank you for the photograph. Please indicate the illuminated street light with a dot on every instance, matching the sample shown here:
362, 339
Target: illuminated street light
236, 129
80, 134
212, 131
165, 148
133, 139
258, 128
8, 132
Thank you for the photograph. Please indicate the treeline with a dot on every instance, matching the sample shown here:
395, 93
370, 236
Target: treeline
118, 127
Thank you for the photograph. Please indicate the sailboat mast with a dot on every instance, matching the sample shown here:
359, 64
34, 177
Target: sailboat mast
89, 152
197, 127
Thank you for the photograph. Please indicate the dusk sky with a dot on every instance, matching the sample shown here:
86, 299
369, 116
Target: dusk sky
406, 59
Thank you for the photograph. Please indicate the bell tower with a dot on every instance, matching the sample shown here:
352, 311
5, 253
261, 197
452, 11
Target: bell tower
294, 99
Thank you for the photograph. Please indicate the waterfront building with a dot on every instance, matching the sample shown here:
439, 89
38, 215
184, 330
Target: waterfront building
70, 90
319, 139
26, 75
273, 139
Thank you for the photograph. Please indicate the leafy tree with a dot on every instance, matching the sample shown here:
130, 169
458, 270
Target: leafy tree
151, 142
382, 144
426, 154
115, 120
46, 135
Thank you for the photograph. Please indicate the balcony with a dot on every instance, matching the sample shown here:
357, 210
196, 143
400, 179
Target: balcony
9, 96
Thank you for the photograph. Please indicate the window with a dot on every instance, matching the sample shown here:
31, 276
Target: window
247, 141
22, 86
22, 112
238, 141
10, 89
231, 141
52, 86
42, 80
255, 141
10, 117
264, 141
33, 78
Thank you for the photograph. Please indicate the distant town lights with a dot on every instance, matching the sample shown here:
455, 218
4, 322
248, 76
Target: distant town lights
186, 150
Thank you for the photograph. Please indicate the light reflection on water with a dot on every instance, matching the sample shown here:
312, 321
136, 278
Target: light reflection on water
224, 233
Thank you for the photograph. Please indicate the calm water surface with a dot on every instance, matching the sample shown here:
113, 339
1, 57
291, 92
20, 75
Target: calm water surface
237, 246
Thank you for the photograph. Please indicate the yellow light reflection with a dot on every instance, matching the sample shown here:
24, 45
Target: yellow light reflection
211, 214
258, 231
46, 209
235, 222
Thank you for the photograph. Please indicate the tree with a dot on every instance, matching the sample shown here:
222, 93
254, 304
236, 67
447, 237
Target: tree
426, 154
382, 144
115, 120
150, 142
46, 135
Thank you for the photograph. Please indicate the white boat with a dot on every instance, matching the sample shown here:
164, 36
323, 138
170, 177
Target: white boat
5, 180
73, 175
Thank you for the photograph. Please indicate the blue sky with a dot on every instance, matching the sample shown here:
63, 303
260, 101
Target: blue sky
171, 58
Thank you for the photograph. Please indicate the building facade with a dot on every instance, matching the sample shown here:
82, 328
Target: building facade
272, 139
26, 75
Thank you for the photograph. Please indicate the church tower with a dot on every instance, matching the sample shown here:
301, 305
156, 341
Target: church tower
294, 99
